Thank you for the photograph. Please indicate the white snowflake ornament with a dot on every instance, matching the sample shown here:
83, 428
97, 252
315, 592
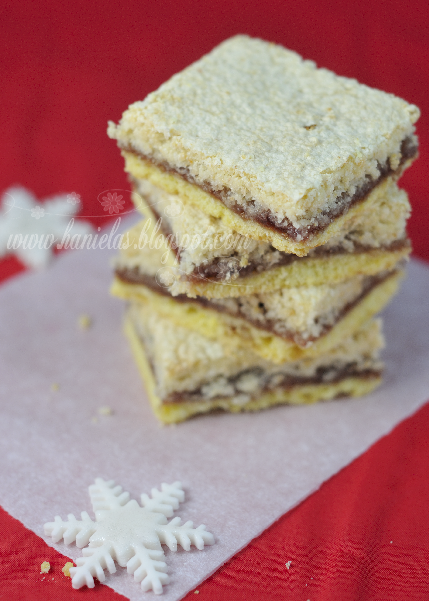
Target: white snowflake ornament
130, 534
30, 231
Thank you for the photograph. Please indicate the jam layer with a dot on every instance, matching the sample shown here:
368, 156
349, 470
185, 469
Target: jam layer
282, 382
254, 211
134, 276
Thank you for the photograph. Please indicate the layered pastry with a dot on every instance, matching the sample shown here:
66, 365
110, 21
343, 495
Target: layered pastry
272, 231
186, 373
280, 326
280, 150
203, 257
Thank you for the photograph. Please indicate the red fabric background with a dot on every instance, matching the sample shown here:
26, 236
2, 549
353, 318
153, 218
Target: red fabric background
68, 68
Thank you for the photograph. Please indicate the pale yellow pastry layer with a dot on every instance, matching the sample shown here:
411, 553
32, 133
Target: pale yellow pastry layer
303, 311
310, 272
174, 184
237, 332
203, 239
146, 250
185, 362
296, 395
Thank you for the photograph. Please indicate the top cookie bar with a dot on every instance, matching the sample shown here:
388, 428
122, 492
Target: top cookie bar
278, 148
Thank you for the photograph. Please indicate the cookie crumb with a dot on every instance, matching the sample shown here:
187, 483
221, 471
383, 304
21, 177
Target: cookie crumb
105, 410
45, 567
66, 569
85, 322
55, 387
287, 564
196, 592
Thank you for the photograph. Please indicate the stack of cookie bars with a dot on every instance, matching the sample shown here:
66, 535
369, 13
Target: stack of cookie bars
273, 231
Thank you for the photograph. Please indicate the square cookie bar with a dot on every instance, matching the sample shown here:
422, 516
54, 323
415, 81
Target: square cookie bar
186, 373
278, 149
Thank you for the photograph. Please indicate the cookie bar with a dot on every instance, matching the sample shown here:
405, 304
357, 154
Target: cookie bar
186, 373
279, 150
206, 258
279, 326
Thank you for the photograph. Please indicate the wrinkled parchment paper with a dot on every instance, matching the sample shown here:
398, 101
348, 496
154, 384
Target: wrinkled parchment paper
240, 472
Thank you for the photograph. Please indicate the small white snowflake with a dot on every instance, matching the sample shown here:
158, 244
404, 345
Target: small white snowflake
73, 198
32, 239
128, 533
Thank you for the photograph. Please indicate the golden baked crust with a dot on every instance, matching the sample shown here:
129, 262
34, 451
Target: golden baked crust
296, 395
312, 271
216, 262
374, 243
234, 332
188, 365
174, 184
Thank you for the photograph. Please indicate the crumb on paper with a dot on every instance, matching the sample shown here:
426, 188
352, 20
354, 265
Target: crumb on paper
45, 567
55, 387
66, 569
85, 321
287, 564
105, 410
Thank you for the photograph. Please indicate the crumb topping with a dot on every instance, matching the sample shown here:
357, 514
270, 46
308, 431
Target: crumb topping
257, 119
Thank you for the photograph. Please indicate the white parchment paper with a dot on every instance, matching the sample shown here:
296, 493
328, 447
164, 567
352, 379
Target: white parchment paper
241, 472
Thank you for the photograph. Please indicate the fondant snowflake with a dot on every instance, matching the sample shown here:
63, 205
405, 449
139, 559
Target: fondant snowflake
130, 534
30, 230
